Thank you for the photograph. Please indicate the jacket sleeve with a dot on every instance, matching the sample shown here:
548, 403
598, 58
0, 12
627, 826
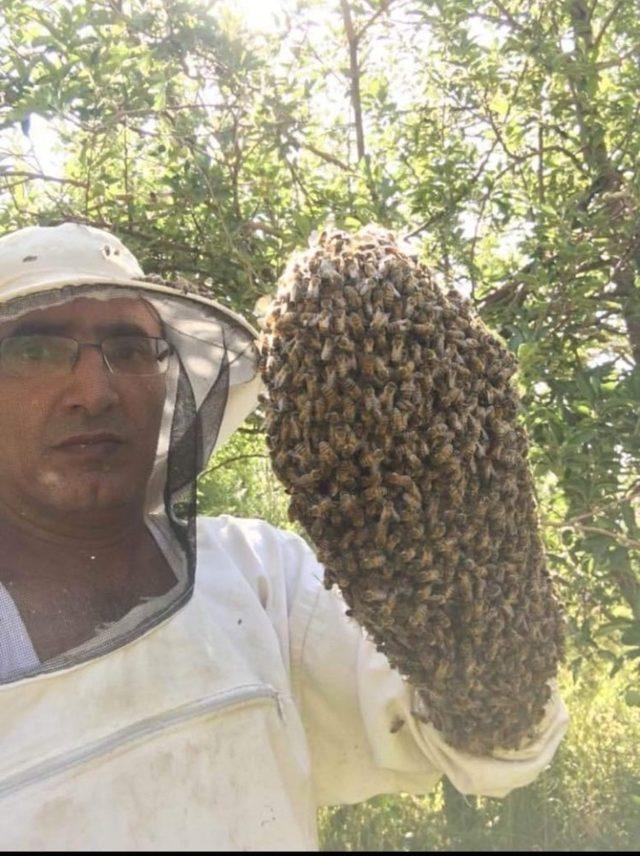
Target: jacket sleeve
358, 712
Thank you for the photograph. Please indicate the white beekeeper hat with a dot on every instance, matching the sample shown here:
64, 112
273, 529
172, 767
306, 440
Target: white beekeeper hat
45, 265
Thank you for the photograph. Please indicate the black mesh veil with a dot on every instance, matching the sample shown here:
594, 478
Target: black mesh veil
211, 386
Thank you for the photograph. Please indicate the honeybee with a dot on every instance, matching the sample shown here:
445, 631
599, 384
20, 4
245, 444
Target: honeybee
407, 554
345, 343
356, 327
367, 363
319, 409
321, 509
349, 410
364, 287
374, 492
381, 369
392, 541
406, 370
371, 459
326, 455
424, 328
386, 397
305, 412
323, 322
344, 365
397, 350
345, 473
354, 301
380, 320
399, 420
399, 325
374, 561
350, 507
390, 293
401, 480
420, 616
327, 351
371, 402
308, 479
445, 453
289, 430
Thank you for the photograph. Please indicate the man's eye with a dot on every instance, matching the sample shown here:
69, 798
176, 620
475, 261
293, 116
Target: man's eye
35, 352
131, 350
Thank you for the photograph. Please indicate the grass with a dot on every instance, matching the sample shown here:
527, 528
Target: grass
588, 799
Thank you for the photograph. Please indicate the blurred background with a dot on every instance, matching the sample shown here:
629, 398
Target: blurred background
501, 139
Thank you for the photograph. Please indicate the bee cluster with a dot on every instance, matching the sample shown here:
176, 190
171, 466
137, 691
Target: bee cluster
392, 423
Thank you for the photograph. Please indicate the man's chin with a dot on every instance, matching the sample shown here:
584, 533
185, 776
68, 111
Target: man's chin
90, 490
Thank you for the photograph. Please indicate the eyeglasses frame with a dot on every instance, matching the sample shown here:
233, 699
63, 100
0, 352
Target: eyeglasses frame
98, 345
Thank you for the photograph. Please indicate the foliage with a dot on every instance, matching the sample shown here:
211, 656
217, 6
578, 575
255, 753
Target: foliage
587, 800
240, 481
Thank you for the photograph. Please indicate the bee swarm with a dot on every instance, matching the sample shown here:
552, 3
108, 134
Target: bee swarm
391, 421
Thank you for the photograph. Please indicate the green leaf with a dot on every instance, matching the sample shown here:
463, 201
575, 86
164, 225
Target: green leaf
613, 626
631, 635
632, 698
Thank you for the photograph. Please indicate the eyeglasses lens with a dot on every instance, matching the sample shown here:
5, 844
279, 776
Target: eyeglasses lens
137, 355
28, 356
41, 355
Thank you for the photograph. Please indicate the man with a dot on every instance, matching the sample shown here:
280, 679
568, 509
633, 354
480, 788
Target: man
166, 685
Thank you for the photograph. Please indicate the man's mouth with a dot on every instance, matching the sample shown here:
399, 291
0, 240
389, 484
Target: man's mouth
97, 441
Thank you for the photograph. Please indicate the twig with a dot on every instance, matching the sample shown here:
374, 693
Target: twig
605, 24
38, 176
383, 8
228, 461
507, 14
451, 206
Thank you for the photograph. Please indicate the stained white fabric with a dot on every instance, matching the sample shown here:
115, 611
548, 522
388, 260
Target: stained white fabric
226, 726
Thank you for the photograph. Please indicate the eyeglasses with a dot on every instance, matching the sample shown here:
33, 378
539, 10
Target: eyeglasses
41, 354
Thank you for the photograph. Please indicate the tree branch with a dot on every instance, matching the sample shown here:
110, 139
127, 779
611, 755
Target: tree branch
383, 8
228, 461
507, 14
607, 21
354, 76
39, 176
325, 156
454, 202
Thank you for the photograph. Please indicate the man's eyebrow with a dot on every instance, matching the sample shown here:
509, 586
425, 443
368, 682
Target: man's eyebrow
26, 328
121, 328
116, 328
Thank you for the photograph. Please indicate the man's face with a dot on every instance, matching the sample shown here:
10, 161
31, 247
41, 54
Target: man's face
53, 459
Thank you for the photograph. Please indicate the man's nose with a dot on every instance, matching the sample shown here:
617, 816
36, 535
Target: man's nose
90, 383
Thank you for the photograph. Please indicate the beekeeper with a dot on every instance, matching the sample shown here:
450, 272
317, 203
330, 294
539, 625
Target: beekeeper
167, 681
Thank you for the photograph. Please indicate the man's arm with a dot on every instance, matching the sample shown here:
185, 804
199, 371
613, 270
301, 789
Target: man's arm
393, 424
364, 721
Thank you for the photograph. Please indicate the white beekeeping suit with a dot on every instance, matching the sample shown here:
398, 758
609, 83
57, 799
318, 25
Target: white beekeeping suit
222, 713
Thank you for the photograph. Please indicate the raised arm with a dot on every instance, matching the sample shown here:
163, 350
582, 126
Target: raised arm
393, 424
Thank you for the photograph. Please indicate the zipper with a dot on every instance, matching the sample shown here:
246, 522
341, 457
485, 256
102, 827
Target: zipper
247, 694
